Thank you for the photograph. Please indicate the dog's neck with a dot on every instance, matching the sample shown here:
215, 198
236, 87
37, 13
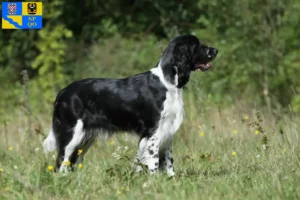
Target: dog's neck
175, 70
167, 77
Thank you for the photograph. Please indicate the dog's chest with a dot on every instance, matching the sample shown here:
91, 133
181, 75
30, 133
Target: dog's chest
172, 114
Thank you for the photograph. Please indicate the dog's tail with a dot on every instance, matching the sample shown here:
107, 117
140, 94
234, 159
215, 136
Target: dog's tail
49, 143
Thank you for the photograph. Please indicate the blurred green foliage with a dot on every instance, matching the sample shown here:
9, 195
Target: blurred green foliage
258, 42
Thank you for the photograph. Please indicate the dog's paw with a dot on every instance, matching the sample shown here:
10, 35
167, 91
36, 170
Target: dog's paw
139, 169
63, 170
171, 173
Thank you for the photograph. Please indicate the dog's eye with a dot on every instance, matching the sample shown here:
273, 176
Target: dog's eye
207, 52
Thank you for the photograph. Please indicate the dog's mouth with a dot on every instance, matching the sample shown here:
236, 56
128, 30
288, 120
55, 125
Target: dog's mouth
202, 66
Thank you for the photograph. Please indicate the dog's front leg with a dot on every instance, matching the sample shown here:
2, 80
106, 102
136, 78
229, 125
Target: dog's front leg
166, 160
149, 153
169, 161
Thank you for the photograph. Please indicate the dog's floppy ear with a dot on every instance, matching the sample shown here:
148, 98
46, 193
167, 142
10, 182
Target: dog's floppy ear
176, 63
182, 63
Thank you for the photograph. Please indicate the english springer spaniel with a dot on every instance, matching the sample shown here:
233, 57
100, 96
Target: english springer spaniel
149, 104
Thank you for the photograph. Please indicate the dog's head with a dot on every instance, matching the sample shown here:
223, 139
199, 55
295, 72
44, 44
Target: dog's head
184, 55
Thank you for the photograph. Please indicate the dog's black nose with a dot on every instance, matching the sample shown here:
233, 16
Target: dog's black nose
215, 51
212, 51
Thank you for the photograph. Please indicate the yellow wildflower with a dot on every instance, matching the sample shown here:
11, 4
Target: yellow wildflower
246, 117
119, 192
201, 134
66, 163
80, 166
1, 170
233, 153
50, 168
235, 131
256, 132
79, 151
111, 143
10, 148
284, 150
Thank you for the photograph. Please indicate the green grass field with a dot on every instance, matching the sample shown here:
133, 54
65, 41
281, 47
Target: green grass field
235, 153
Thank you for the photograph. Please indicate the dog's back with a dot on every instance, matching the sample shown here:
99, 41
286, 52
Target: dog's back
103, 106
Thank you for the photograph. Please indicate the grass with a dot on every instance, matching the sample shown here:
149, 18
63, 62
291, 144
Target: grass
217, 155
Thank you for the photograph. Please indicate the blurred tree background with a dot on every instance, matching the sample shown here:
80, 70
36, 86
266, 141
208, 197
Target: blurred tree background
258, 42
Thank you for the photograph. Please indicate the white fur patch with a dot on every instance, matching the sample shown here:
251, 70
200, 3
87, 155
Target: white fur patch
49, 143
173, 112
176, 77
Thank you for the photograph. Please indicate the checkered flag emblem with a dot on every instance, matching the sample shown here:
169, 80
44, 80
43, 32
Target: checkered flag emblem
12, 8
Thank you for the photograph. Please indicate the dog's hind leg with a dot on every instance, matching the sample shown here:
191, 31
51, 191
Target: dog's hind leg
80, 151
76, 141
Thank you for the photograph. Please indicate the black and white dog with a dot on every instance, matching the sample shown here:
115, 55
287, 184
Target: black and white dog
149, 104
